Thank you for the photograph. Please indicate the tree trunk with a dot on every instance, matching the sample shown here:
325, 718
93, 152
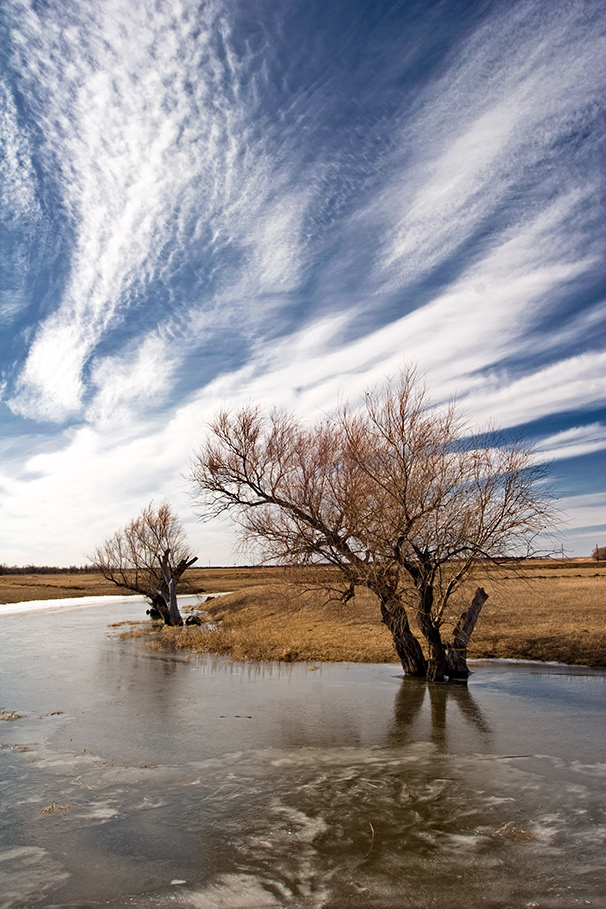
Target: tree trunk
456, 659
164, 600
158, 608
169, 610
436, 666
406, 645
173, 609
163, 604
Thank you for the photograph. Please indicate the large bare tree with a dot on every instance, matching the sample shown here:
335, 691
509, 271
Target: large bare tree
149, 556
394, 494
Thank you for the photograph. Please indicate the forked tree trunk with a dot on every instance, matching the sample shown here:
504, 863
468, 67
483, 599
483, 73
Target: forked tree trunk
164, 601
406, 645
170, 597
456, 657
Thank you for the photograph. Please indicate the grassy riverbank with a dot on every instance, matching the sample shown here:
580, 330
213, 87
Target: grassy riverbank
552, 610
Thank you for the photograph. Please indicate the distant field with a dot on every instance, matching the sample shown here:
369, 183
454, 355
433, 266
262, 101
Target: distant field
16, 588
552, 611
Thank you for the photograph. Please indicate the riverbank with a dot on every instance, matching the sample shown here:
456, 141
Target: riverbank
553, 611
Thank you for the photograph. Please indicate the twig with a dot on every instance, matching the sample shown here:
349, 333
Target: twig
372, 839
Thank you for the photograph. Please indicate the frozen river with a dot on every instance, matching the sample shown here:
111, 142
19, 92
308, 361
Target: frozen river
129, 778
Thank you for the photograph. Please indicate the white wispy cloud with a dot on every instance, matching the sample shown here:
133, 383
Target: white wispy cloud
523, 81
154, 151
19, 205
570, 384
573, 443
151, 150
456, 340
91, 484
130, 382
585, 511
105, 125
110, 475
18, 196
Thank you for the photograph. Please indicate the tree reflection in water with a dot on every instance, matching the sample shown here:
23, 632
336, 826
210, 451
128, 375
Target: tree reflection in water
421, 710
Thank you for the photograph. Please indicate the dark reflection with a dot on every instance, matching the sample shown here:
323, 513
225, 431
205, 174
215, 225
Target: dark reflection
134, 679
253, 670
422, 712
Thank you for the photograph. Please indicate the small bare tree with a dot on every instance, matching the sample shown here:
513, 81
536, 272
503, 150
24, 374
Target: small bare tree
149, 556
395, 495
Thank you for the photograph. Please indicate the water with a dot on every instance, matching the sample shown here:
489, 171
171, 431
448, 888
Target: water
144, 780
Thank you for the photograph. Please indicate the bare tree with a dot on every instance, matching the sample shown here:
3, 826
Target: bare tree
395, 495
149, 556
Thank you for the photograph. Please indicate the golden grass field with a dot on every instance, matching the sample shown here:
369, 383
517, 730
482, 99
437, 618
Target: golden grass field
15, 588
549, 610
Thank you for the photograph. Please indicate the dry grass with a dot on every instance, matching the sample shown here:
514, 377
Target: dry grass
550, 611
548, 615
280, 622
17, 588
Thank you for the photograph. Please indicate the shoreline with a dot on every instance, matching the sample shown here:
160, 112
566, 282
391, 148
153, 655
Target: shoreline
67, 603
550, 613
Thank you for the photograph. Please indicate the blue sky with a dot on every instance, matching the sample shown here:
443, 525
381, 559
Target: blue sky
207, 203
